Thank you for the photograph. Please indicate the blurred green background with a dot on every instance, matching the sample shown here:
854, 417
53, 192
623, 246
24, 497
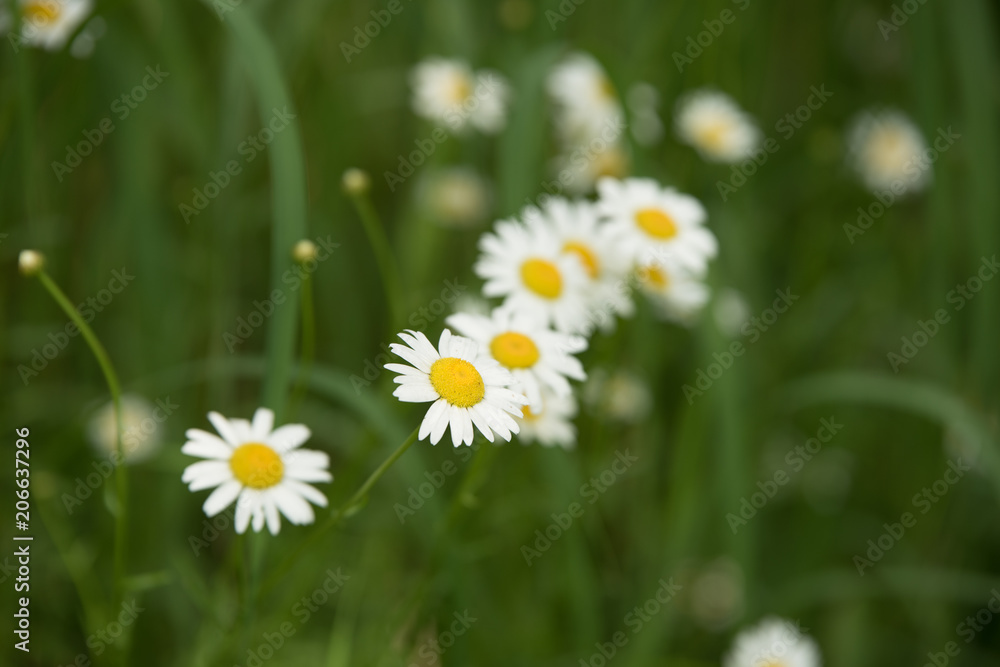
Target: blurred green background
666, 517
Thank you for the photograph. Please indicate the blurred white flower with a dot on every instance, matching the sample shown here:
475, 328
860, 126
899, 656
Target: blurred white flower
620, 396
886, 150
717, 594
552, 425
644, 103
456, 197
773, 642
580, 169
730, 311
141, 433
714, 124
678, 294
47, 24
585, 99
449, 93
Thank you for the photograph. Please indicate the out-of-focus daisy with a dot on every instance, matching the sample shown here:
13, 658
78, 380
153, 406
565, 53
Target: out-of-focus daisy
83, 45
580, 169
261, 467
730, 311
773, 643
677, 293
47, 24
535, 355
886, 149
643, 102
141, 433
448, 92
552, 424
584, 97
656, 223
619, 395
582, 235
466, 385
456, 197
714, 124
717, 594
525, 264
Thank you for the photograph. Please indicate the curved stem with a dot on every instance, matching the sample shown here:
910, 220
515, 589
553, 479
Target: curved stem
383, 256
114, 386
308, 345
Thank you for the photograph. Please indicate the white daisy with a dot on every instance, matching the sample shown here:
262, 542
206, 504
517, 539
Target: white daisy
534, 354
141, 432
552, 424
467, 387
655, 223
714, 124
773, 643
448, 92
582, 235
886, 149
262, 469
678, 294
525, 264
47, 24
584, 97
456, 197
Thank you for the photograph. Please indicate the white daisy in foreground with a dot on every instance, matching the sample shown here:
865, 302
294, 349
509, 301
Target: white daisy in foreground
525, 264
141, 432
773, 643
467, 387
535, 355
886, 149
715, 125
552, 424
258, 466
448, 92
582, 235
678, 294
47, 24
585, 100
655, 223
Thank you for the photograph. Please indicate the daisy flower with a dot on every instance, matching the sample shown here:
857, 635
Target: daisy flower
582, 235
678, 294
448, 92
579, 170
714, 124
258, 466
655, 223
48, 24
456, 197
886, 149
551, 425
141, 432
585, 99
525, 264
773, 643
535, 355
466, 386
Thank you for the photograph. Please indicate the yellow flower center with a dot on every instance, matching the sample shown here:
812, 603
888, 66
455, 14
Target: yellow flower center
257, 465
656, 223
41, 12
460, 90
514, 350
607, 88
457, 381
611, 162
713, 135
542, 277
586, 255
528, 415
657, 278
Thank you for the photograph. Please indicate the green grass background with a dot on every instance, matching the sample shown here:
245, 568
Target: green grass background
664, 518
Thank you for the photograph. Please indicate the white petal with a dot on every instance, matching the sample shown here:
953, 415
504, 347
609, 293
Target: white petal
431, 418
481, 422
225, 429
288, 437
206, 474
308, 492
263, 422
416, 393
244, 506
271, 512
441, 424
222, 497
292, 506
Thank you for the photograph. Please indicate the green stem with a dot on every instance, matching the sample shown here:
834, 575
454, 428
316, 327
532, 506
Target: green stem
114, 386
346, 510
383, 256
308, 344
